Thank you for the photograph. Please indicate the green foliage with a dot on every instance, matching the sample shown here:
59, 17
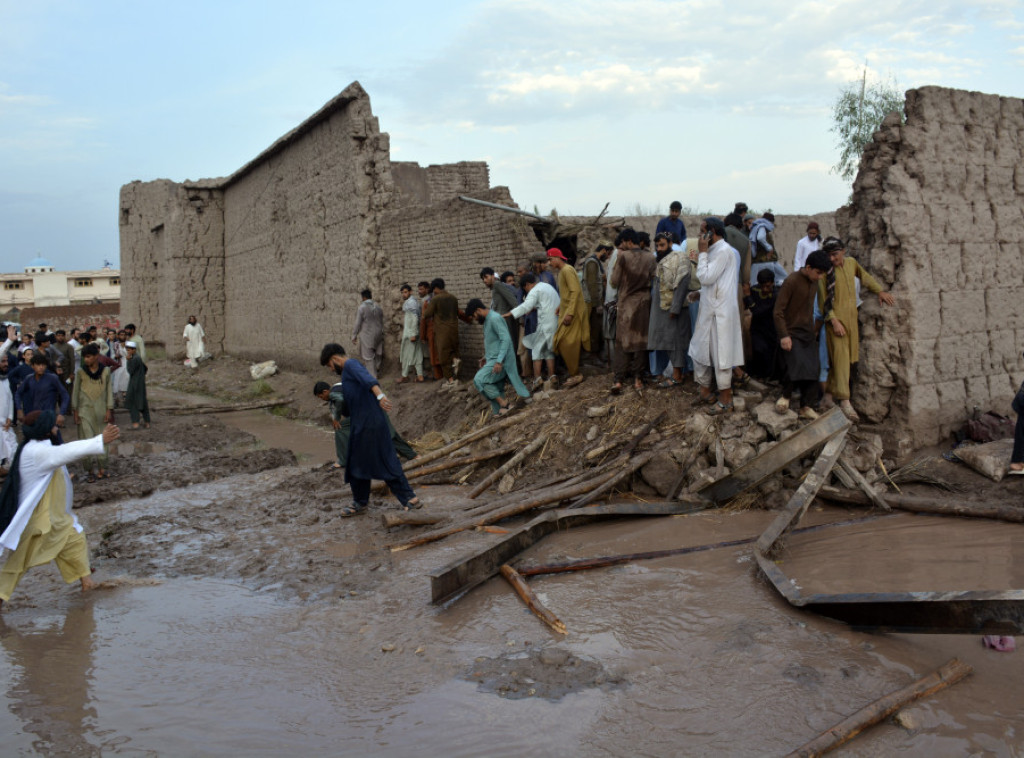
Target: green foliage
855, 119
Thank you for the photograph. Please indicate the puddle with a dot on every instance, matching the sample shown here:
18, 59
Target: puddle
311, 444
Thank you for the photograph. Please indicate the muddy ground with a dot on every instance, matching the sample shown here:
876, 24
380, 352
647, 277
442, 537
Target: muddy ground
244, 615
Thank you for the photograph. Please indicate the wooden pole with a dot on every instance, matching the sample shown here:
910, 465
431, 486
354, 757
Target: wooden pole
915, 504
584, 564
532, 602
498, 514
410, 518
508, 465
611, 481
460, 443
862, 483
251, 406
456, 462
949, 673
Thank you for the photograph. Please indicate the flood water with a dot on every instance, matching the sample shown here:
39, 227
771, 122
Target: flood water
697, 656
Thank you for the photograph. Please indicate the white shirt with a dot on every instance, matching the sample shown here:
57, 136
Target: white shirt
804, 247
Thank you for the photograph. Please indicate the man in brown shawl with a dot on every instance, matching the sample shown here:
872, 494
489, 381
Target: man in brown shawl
632, 276
443, 308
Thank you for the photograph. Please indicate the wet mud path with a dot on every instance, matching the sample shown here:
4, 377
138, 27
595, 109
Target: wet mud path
244, 617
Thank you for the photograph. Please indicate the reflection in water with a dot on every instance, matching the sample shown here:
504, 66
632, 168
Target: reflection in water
51, 666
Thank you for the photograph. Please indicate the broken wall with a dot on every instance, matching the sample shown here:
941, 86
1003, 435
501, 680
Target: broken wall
272, 259
172, 258
936, 216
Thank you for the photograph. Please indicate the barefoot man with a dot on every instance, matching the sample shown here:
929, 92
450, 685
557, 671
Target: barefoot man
35, 504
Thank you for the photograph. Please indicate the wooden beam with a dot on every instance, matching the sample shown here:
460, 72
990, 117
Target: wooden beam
756, 470
949, 673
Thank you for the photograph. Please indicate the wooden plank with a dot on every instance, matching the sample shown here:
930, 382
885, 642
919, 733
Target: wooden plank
456, 578
943, 506
862, 483
879, 710
804, 496
756, 470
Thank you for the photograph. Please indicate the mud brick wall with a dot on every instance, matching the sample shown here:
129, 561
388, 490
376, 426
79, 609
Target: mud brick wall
415, 185
172, 238
300, 235
67, 317
936, 216
454, 240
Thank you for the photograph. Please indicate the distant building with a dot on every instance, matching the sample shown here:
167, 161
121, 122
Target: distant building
41, 286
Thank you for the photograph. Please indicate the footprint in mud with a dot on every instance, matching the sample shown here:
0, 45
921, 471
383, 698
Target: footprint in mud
549, 673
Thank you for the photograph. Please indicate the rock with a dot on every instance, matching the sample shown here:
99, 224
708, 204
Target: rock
698, 422
775, 423
739, 404
737, 453
733, 426
387, 647
770, 487
660, 473
599, 411
263, 370
755, 434
863, 451
592, 433
506, 484
761, 448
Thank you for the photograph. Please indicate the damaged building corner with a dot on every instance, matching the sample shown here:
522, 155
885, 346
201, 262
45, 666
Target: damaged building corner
276, 253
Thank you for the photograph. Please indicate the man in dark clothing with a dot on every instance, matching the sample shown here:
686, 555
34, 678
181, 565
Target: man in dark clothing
371, 453
672, 224
798, 333
67, 358
42, 391
764, 362
443, 309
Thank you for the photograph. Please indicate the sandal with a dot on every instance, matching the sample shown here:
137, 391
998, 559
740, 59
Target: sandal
90, 479
709, 399
353, 509
668, 384
741, 381
401, 380
616, 389
719, 409
413, 506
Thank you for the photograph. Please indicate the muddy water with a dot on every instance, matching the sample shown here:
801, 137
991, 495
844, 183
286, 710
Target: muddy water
311, 444
909, 553
690, 655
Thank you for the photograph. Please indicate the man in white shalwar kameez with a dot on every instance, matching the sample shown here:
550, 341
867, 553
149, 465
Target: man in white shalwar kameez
717, 342
35, 504
368, 333
543, 298
411, 353
8, 441
195, 347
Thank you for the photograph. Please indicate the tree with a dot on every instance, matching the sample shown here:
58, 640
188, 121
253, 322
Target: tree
857, 113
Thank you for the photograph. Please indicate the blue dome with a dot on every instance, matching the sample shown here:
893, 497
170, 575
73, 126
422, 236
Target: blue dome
39, 263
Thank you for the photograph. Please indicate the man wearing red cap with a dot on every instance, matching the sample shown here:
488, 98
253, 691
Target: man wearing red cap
573, 327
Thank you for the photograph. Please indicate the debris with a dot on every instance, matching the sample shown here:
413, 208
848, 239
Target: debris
858, 478
410, 518
598, 411
460, 443
456, 462
263, 370
776, 423
1011, 512
456, 578
949, 673
523, 590
991, 459
510, 464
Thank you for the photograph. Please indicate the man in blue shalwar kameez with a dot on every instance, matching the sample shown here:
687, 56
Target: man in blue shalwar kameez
499, 361
371, 454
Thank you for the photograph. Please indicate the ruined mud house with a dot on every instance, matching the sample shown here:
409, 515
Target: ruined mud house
272, 258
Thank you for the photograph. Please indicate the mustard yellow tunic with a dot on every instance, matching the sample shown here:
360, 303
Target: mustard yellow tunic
570, 339
49, 536
843, 352
92, 398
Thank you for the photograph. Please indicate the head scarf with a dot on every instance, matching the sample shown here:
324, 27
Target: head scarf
36, 426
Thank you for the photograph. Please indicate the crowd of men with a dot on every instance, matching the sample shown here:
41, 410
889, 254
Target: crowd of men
82, 373
718, 311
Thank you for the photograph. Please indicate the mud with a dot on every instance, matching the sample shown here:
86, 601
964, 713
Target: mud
243, 616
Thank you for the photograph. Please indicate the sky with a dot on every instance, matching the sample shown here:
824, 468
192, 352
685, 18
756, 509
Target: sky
573, 104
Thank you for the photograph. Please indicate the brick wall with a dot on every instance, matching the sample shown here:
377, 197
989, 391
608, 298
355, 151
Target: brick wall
936, 215
67, 317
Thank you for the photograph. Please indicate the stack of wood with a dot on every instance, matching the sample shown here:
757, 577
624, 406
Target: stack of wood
577, 486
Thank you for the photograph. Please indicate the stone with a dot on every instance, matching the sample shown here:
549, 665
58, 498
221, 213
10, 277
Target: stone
755, 434
775, 423
863, 451
660, 472
599, 411
593, 431
737, 453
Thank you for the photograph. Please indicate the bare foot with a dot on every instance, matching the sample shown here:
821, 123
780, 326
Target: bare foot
88, 584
